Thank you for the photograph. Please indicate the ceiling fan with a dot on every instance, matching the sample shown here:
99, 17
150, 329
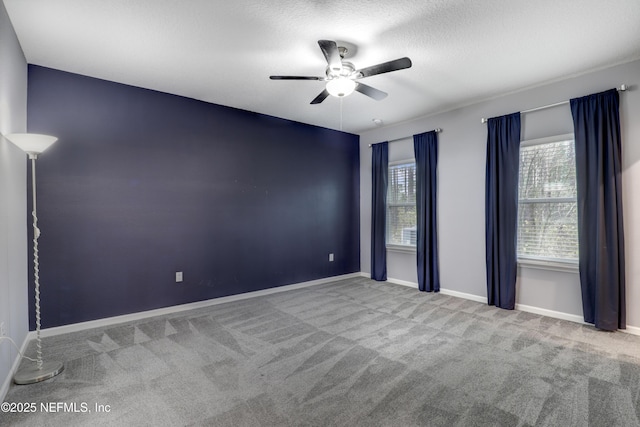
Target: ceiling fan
341, 75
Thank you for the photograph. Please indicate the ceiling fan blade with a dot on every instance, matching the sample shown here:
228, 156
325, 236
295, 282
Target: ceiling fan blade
331, 53
318, 99
371, 91
295, 78
385, 67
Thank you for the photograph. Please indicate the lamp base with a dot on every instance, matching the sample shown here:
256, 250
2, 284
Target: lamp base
30, 373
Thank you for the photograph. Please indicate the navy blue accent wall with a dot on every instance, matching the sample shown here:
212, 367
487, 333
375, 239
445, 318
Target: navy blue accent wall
142, 184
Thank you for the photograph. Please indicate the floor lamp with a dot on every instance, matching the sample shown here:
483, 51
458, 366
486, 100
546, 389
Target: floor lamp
34, 144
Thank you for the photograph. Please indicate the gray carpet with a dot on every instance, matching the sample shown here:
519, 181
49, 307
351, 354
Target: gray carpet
349, 353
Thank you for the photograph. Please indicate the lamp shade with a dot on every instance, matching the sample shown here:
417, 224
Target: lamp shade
31, 143
341, 86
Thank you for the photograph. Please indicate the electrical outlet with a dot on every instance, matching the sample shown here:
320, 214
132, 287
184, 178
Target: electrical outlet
3, 332
330, 257
178, 276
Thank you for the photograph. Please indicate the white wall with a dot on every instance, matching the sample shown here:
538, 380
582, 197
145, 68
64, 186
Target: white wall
13, 216
461, 192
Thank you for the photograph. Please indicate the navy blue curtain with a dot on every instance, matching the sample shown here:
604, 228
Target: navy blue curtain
596, 123
501, 209
379, 177
425, 146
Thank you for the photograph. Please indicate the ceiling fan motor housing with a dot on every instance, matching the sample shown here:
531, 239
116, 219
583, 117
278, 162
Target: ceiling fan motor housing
347, 70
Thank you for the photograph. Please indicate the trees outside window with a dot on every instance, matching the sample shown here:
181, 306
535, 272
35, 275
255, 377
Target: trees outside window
547, 207
401, 204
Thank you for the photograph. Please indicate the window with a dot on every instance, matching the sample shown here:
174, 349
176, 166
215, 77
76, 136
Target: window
401, 204
547, 207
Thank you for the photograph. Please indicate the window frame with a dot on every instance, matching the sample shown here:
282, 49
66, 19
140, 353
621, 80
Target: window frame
395, 247
563, 265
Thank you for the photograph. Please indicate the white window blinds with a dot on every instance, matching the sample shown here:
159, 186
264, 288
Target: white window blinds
401, 204
547, 208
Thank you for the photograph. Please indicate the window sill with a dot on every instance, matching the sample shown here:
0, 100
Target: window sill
401, 248
542, 264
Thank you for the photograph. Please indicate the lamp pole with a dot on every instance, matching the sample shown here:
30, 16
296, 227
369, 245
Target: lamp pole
34, 144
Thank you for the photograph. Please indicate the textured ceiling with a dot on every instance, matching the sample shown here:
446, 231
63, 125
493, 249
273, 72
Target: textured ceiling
223, 51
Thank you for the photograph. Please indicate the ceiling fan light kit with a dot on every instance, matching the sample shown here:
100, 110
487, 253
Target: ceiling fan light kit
341, 75
341, 86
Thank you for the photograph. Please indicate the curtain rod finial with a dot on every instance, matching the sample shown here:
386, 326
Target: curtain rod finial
623, 88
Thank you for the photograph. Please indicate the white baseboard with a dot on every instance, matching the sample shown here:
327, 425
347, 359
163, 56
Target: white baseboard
442, 291
464, 295
483, 299
402, 282
14, 367
633, 330
109, 321
200, 304
550, 313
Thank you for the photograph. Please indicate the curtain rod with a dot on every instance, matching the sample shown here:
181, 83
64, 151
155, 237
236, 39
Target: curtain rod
437, 130
622, 88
